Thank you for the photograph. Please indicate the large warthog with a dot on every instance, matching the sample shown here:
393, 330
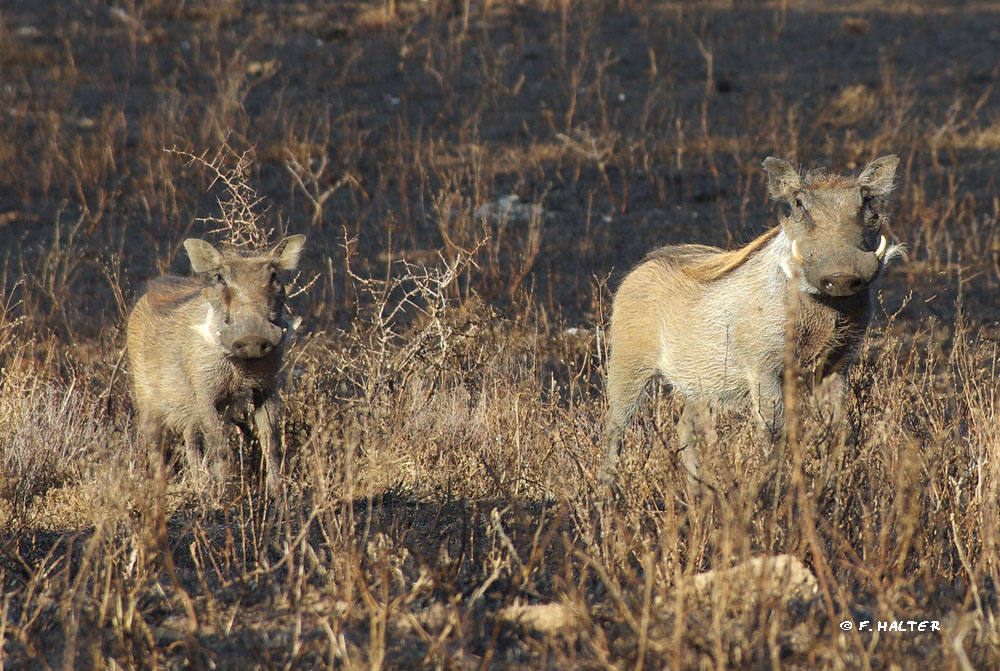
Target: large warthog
713, 323
206, 348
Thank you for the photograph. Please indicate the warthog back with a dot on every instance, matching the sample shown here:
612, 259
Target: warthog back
204, 349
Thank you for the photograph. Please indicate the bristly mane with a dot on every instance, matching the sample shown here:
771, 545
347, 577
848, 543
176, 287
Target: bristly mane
704, 263
820, 179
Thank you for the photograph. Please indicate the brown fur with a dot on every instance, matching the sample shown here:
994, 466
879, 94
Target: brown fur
713, 323
203, 349
820, 179
704, 263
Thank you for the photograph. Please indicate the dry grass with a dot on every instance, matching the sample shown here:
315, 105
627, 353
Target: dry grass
473, 179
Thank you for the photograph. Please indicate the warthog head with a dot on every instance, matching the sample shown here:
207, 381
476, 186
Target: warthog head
245, 296
836, 232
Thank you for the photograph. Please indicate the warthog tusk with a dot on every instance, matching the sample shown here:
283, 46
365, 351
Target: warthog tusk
880, 252
795, 252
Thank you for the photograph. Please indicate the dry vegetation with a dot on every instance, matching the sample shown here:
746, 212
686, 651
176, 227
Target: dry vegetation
445, 396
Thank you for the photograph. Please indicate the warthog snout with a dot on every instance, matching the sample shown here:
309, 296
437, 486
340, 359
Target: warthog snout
846, 282
252, 341
252, 347
842, 284
843, 272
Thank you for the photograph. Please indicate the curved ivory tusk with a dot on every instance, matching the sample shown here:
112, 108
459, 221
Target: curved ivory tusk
880, 252
795, 252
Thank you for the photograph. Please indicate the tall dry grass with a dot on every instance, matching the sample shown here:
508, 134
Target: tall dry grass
473, 179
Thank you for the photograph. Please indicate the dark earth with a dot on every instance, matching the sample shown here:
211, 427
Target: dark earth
679, 146
632, 124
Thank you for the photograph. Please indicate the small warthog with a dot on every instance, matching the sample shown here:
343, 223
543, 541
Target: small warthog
202, 350
713, 323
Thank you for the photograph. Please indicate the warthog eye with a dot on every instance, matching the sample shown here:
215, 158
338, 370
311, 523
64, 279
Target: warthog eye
799, 205
218, 279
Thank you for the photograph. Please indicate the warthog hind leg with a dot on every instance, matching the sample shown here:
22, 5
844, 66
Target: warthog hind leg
153, 434
626, 384
696, 421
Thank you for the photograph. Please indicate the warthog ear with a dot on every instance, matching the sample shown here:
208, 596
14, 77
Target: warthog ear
783, 179
204, 257
287, 252
879, 175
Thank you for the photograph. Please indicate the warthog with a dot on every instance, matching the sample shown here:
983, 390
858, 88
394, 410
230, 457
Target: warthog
204, 349
713, 323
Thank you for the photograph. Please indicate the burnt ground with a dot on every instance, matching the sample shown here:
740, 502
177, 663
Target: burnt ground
95, 95
632, 125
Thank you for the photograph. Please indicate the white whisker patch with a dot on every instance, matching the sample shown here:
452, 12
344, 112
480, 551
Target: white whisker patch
785, 268
784, 249
205, 329
895, 251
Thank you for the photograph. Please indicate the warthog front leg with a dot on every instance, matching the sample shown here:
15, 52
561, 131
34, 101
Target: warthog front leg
153, 434
267, 419
215, 441
768, 409
830, 395
192, 450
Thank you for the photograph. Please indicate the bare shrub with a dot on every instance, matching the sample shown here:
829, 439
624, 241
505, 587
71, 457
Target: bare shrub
242, 211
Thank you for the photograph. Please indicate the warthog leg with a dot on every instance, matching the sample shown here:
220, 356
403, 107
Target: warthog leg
216, 446
768, 409
830, 395
696, 419
267, 418
192, 450
153, 435
613, 437
626, 383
